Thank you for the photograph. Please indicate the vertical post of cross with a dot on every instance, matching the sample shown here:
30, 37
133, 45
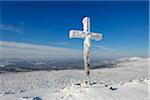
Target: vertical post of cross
86, 51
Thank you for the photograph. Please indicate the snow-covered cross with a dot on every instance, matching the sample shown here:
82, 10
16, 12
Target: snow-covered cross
87, 36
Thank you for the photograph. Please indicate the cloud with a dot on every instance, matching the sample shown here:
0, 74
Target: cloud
105, 48
10, 28
9, 49
107, 52
60, 43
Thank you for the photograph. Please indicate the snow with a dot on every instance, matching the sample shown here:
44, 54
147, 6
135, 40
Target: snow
128, 91
129, 80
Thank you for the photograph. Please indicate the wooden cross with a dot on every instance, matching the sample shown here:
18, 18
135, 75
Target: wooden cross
87, 36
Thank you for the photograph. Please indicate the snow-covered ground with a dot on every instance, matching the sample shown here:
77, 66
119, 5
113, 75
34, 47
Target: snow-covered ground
128, 80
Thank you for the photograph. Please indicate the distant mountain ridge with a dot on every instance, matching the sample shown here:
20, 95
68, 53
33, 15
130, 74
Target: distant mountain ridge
23, 65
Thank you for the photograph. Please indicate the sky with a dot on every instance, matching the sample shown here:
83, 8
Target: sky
41, 28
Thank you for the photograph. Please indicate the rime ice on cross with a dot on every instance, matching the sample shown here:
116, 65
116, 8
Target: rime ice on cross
87, 36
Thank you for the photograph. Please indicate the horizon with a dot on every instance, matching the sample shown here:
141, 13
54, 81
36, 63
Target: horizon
41, 29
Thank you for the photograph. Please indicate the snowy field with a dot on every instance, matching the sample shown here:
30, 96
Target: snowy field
129, 80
